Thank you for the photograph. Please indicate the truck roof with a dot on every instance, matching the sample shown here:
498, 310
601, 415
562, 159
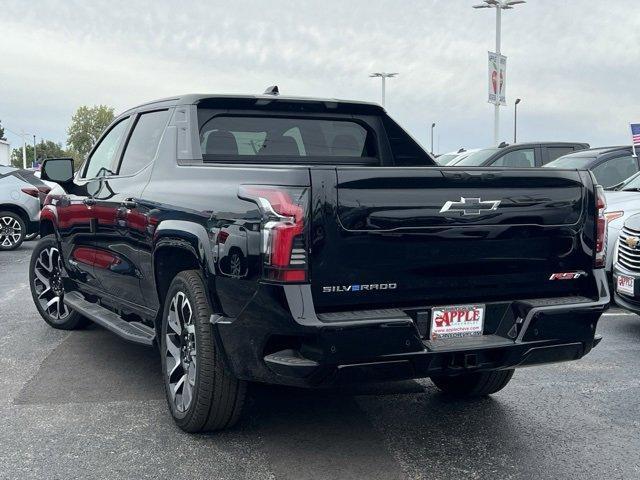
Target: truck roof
264, 99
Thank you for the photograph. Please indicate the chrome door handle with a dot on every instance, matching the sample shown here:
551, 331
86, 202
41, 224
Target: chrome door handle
129, 203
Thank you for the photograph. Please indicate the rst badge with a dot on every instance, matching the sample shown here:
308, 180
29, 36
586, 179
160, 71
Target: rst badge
567, 275
470, 206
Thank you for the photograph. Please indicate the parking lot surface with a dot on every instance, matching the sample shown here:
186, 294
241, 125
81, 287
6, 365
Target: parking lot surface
86, 404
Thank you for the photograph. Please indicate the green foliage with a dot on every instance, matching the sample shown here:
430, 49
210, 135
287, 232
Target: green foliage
87, 124
44, 149
2, 137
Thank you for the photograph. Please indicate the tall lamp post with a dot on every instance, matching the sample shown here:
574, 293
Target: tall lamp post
433, 125
383, 76
499, 5
515, 119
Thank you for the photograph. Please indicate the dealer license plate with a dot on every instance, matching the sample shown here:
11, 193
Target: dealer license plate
456, 321
624, 284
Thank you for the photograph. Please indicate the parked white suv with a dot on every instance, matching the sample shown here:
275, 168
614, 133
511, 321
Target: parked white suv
21, 193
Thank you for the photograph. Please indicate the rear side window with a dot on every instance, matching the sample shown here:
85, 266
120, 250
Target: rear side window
522, 158
143, 142
223, 138
557, 152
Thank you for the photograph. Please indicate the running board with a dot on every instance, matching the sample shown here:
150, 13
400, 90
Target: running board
132, 331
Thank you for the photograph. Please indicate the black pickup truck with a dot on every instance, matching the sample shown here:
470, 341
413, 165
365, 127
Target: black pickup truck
312, 243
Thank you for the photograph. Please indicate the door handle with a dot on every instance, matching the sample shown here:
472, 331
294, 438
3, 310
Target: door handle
89, 201
129, 203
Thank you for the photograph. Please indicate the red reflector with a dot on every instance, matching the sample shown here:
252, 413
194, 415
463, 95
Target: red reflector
286, 275
601, 228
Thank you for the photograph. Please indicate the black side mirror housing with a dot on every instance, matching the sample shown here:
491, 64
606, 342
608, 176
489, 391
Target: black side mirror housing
58, 170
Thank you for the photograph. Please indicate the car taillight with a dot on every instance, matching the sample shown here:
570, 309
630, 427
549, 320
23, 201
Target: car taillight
601, 228
284, 213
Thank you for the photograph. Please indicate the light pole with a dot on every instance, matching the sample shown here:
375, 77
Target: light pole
34, 151
433, 125
499, 5
515, 119
383, 76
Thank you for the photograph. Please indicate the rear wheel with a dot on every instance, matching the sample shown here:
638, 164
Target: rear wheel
476, 384
201, 395
45, 279
12, 230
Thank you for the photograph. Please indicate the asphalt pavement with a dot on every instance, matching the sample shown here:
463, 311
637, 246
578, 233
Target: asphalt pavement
86, 404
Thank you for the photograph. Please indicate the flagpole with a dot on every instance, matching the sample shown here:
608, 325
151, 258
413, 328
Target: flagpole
633, 143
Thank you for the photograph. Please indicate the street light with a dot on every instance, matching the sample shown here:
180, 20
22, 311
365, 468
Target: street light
499, 5
515, 119
433, 125
383, 76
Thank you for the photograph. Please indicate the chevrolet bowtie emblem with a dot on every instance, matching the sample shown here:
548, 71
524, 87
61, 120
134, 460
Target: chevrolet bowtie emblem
470, 206
632, 241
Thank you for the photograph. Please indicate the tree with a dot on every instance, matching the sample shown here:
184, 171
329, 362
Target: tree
87, 124
44, 149
2, 137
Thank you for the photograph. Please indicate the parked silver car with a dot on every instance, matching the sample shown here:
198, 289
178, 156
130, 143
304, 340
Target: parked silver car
21, 193
623, 201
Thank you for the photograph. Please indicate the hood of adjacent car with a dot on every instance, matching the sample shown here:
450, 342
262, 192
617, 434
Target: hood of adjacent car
621, 199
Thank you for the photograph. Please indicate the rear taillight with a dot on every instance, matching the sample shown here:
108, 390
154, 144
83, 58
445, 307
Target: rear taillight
284, 213
601, 228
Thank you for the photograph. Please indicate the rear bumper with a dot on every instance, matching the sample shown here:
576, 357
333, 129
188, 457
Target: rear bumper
279, 339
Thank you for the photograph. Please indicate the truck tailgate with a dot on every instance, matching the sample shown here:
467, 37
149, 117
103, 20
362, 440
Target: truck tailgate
427, 236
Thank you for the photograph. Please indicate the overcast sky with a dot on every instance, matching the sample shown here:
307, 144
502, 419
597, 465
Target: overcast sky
575, 63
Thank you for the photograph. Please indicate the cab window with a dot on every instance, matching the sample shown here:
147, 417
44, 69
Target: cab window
522, 158
143, 142
103, 159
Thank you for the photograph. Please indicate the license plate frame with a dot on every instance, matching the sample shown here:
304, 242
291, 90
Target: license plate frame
457, 321
625, 284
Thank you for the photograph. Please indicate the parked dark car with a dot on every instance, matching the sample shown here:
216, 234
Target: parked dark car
519, 155
313, 242
610, 165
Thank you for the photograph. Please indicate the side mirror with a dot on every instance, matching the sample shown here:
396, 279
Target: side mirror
59, 170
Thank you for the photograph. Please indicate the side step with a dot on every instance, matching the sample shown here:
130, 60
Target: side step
132, 331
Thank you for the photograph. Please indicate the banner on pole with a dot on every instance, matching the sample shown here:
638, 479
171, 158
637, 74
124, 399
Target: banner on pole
497, 79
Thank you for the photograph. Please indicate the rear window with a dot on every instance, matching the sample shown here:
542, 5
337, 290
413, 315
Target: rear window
225, 138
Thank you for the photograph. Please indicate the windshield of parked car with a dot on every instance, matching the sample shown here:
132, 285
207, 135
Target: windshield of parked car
476, 158
569, 161
632, 183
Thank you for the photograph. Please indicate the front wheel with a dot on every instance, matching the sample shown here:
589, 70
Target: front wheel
476, 384
45, 279
201, 395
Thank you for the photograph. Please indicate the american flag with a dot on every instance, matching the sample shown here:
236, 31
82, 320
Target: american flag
635, 133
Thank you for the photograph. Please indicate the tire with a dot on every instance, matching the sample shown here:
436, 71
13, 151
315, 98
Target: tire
201, 395
45, 270
477, 384
12, 230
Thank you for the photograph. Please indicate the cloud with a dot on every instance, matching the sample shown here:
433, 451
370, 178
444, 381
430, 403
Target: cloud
575, 64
